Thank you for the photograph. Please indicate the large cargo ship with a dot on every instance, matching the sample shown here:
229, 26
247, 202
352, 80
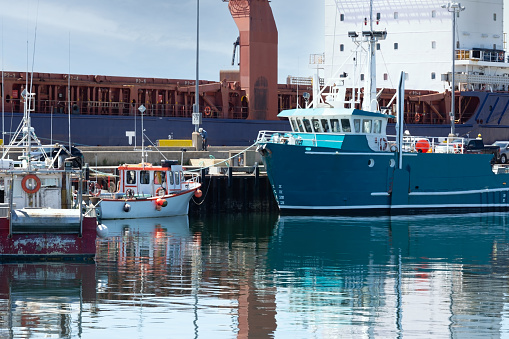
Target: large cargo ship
100, 109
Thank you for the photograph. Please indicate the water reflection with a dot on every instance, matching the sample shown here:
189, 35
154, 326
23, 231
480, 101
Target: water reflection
267, 276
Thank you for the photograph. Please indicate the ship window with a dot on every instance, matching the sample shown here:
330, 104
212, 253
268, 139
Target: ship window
433, 75
295, 127
301, 128
335, 125
346, 125
395, 45
177, 177
378, 16
357, 125
307, 125
494, 16
316, 125
170, 174
395, 15
377, 126
386, 76
366, 126
433, 14
144, 177
159, 177
378, 46
341, 17
130, 177
325, 125
341, 48
433, 44
362, 77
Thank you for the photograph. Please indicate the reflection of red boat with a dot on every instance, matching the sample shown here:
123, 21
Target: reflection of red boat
70, 280
47, 297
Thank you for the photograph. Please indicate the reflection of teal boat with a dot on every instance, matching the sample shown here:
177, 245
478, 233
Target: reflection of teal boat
390, 276
300, 241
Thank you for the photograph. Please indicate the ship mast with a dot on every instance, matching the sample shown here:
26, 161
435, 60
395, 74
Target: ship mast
372, 37
454, 8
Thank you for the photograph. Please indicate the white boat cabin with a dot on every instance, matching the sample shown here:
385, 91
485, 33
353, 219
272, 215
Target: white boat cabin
148, 180
331, 120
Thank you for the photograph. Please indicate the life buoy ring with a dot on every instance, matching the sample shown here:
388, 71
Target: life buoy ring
458, 148
383, 144
26, 188
207, 111
129, 193
417, 117
160, 191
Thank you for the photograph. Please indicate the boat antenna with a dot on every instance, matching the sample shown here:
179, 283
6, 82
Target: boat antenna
142, 110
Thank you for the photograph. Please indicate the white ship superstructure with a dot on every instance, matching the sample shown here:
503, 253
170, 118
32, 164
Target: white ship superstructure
419, 42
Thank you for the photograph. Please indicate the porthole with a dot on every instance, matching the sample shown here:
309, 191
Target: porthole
371, 162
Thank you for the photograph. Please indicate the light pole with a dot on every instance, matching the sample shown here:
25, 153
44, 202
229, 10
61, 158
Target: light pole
454, 8
196, 106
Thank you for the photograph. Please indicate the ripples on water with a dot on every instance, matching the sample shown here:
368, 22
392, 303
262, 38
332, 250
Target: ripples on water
269, 276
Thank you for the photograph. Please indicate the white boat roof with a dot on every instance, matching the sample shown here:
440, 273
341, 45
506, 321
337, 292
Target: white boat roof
330, 112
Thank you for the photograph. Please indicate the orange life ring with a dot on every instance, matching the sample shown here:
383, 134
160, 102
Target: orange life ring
37, 183
383, 144
207, 111
159, 190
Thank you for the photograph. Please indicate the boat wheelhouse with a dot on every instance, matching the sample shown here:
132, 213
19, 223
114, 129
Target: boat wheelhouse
147, 191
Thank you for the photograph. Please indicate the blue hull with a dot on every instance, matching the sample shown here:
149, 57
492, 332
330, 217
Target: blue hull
109, 130
320, 179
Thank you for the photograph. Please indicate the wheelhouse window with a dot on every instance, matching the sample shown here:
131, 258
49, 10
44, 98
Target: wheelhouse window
325, 125
346, 125
170, 174
159, 177
301, 125
316, 125
307, 125
336, 127
130, 177
366, 126
177, 177
295, 127
144, 177
357, 125
377, 126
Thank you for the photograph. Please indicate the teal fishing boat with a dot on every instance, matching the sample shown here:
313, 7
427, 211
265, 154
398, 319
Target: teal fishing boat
339, 159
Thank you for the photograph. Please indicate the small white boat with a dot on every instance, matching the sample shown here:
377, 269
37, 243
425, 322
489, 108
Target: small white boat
148, 191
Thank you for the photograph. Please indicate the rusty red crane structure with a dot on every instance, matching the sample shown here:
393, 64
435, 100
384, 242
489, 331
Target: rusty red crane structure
258, 56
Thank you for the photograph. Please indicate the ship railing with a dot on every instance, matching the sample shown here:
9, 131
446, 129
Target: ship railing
426, 144
410, 144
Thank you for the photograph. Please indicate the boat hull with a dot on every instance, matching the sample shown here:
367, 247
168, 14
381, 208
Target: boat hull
45, 245
319, 179
177, 204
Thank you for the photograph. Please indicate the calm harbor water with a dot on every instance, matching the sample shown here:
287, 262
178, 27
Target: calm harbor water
263, 276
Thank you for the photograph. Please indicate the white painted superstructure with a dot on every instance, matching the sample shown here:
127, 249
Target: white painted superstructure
419, 42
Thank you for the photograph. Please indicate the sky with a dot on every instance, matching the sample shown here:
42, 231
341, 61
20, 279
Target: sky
149, 38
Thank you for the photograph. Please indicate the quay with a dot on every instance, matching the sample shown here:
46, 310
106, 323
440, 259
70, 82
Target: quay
233, 178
